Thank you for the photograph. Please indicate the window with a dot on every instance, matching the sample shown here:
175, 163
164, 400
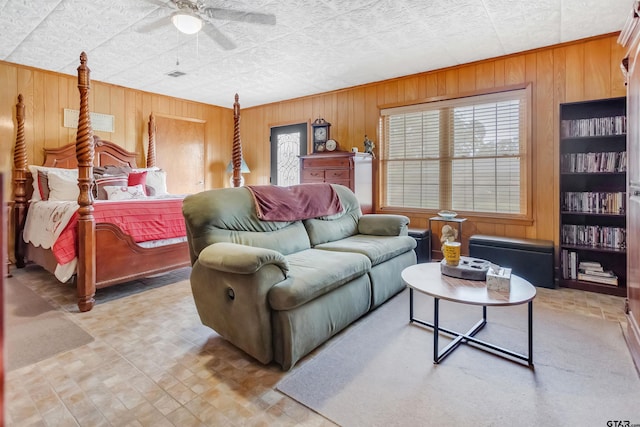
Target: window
466, 154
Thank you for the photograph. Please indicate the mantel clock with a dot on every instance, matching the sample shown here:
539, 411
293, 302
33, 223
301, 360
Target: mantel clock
320, 134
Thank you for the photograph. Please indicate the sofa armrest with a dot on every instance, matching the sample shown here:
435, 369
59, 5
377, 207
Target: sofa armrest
383, 225
241, 259
230, 284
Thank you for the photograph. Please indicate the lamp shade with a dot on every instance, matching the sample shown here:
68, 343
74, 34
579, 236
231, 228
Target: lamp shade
187, 23
243, 167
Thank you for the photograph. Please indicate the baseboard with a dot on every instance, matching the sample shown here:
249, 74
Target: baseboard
633, 339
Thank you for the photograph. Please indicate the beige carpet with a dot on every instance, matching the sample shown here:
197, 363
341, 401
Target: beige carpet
34, 330
380, 371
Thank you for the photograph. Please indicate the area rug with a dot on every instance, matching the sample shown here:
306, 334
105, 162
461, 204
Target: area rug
35, 330
379, 372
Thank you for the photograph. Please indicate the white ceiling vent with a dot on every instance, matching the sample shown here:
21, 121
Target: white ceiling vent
176, 73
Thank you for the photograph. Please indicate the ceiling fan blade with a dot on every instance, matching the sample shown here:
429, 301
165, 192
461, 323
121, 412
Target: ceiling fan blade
238, 15
152, 26
218, 37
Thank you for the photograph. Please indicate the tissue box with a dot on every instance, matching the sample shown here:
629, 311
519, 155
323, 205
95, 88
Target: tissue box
499, 278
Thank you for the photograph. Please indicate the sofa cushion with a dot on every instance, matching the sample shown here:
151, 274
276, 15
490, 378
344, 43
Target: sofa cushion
313, 273
338, 226
377, 248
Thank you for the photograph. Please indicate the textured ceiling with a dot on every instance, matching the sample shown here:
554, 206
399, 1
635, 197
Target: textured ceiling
316, 46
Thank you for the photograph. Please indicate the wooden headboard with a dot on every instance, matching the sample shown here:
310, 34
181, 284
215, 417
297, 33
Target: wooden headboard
106, 153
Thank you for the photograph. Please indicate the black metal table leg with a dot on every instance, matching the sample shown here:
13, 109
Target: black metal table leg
436, 329
410, 304
530, 307
468, 337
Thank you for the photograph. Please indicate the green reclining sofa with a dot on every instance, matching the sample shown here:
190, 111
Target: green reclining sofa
279, 289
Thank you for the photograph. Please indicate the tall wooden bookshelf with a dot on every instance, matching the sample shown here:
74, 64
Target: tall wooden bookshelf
593, 202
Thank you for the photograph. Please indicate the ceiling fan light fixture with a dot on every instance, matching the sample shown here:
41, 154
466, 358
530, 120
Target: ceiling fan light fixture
186, 22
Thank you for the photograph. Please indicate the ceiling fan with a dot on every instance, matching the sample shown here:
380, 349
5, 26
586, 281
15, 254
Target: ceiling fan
191, 16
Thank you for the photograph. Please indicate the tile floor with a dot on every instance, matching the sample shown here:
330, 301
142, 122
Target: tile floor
153, 364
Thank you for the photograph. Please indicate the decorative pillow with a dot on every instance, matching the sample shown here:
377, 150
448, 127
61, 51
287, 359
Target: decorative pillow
36, 195
136, 178
115, 170
43, 185
109, 181
62, 187
157, 180
126, 192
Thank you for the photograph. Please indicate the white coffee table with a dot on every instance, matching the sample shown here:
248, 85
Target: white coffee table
427, 279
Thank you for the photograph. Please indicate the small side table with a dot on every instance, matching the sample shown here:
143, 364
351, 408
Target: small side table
457, 220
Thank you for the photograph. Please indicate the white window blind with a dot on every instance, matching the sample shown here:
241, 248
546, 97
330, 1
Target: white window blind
467, 154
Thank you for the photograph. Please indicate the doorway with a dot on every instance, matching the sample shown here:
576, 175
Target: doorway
288, 143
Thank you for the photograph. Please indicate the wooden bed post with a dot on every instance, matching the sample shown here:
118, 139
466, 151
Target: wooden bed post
19, 184
86, 226
151, 152
237, 145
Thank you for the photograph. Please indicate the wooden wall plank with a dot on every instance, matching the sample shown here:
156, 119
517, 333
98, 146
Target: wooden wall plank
545, 171
574, 81
451, 82
52, 112
38, 117
442, 82
466, 79
340, 122
514, 70
485, 75
499, 78
412, 89
359, 129
597, 69
618, 87
432, 85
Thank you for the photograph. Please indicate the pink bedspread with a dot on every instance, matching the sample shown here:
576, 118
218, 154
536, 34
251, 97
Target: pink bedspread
143, 220
274, 203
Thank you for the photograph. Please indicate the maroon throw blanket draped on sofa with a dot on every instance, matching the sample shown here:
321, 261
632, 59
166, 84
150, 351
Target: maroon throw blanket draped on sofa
274, 203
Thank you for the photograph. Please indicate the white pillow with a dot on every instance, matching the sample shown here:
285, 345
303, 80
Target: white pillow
125, 193
63, 187
46, 169
157, 179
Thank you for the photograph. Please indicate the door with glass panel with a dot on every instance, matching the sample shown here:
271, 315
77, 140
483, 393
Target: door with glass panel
287, 144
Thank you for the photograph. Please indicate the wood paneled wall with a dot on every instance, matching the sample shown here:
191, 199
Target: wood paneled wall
47, 94
588, 69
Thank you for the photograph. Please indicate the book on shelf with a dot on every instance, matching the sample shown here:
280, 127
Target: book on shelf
605, 280
564, 263
598, 273
569, 261
573, 265
590, 265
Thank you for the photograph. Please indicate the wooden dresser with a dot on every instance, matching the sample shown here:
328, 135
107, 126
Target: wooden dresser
343, 167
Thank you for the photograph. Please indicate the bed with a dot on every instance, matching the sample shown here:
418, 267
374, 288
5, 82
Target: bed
106, 252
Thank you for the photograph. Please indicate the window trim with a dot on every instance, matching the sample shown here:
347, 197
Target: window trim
524, 218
